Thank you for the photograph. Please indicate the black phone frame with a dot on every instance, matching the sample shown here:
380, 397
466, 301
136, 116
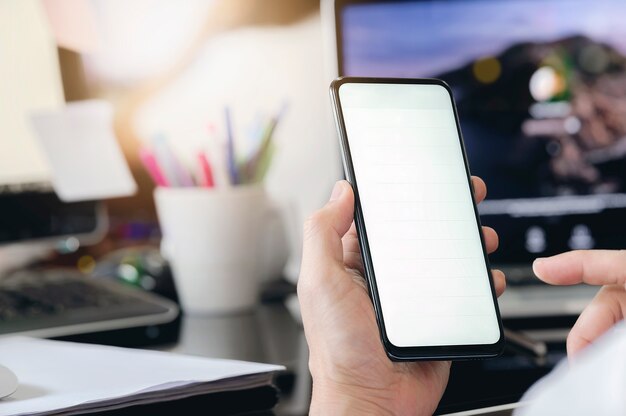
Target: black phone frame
395, 353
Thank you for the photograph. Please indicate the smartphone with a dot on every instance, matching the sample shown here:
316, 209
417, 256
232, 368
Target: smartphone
421, 241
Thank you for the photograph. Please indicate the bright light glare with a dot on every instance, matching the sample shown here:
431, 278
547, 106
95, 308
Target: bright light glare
544, 83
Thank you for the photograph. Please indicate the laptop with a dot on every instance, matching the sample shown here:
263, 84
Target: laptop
540, 92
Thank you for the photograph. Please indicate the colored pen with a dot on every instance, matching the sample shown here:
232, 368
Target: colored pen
150, 163
259, 164
230, 149
205, 171
181, 173
217, 148
173, 169
161, 154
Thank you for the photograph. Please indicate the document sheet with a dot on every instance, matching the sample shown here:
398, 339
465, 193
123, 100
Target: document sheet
62, 377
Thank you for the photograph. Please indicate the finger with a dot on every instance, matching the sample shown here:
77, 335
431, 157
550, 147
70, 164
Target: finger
605, 310
499, 281
351, 250
594, 267
491, 239
480, 189
351, 241
324, 230
354, 261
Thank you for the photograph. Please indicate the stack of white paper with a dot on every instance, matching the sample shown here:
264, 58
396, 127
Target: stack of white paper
63, 377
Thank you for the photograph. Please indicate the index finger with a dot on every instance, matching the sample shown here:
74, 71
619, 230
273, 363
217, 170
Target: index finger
480, 189
594, 267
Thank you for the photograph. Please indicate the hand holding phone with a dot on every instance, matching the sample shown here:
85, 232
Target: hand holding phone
423, 253
346, 358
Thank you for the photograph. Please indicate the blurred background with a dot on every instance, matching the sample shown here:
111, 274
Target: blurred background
169, 69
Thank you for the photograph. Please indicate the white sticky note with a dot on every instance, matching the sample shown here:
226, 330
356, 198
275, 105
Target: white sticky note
82, 151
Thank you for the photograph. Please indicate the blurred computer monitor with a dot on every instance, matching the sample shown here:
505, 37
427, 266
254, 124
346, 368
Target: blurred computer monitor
30, 81
541, 93
32, 211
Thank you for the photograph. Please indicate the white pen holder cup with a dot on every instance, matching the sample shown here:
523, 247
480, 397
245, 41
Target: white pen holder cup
211, 238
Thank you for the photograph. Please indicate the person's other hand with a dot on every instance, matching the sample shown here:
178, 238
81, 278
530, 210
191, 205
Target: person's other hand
594, 267
351, 372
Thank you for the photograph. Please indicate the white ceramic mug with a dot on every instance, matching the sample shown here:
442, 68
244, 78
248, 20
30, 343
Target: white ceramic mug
211, 239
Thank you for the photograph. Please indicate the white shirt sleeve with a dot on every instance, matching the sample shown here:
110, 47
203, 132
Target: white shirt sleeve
593, 384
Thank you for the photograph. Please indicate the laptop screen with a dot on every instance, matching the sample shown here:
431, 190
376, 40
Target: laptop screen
541, 92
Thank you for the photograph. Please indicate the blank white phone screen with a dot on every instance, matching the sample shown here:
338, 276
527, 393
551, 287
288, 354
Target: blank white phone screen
416, 201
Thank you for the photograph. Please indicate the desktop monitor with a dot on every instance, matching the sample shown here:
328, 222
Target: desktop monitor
30, 80
541, 94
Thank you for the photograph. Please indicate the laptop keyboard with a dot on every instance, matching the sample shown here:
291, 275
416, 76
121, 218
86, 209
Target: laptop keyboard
38, 300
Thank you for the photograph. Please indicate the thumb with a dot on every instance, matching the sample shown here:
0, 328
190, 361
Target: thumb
325, 228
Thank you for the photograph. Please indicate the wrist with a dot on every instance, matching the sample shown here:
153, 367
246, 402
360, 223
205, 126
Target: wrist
347, 400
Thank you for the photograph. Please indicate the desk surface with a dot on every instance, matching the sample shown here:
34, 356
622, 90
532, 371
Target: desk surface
269, 334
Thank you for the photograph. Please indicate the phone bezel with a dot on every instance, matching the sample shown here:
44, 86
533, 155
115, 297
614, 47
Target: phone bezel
443, 352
